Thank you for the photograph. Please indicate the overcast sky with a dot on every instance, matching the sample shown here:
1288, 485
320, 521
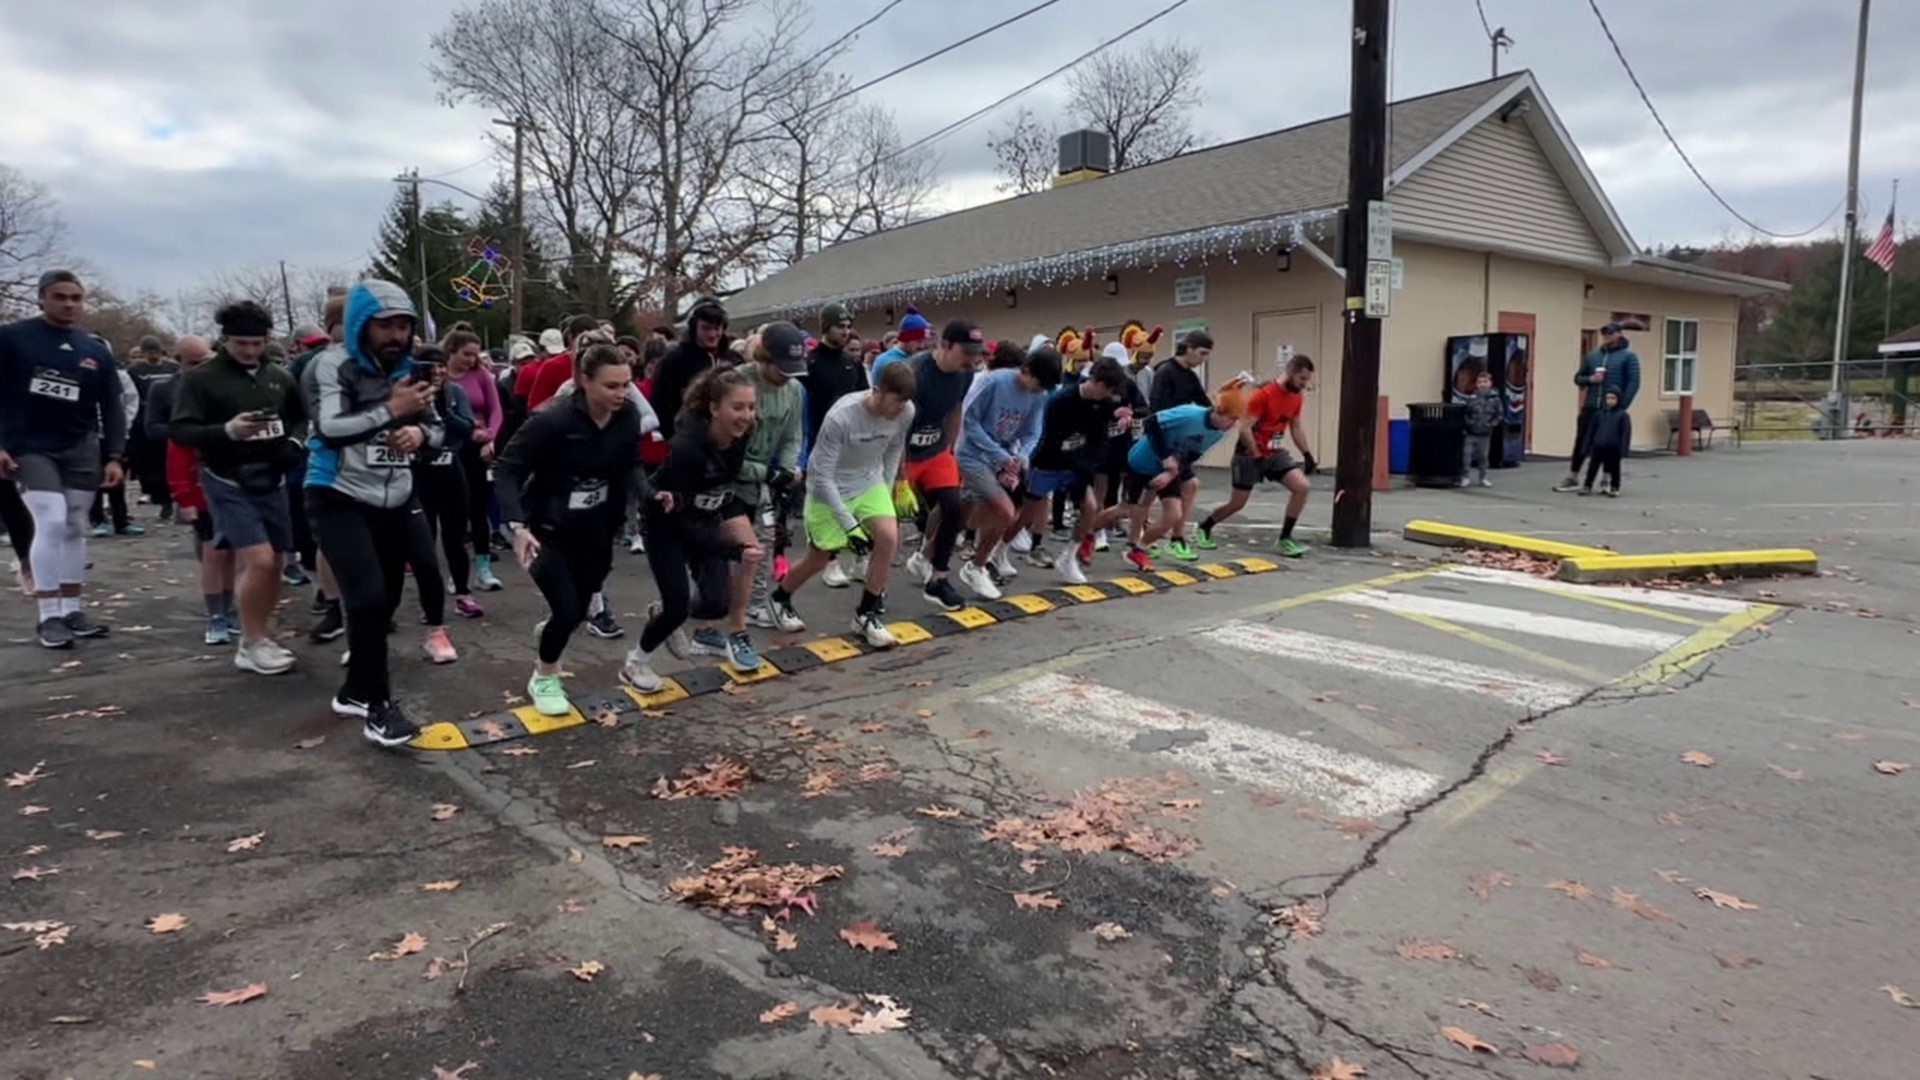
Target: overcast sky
185, 135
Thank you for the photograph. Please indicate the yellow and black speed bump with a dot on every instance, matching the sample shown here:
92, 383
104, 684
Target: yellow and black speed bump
524, 720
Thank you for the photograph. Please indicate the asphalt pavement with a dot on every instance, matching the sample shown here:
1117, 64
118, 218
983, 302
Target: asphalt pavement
1383, 807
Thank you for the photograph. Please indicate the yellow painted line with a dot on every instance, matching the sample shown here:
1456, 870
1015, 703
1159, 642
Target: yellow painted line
970, 617
1032, 605
1445, 535
909, 633
832, 650
1256, 566
670, 691
1642, 567
1340, 590
1629, 608
1215, 570
1506, 776
1176, 577
1086, 594
760, 674
536, 724
440, 736
1132, 584
1487, 641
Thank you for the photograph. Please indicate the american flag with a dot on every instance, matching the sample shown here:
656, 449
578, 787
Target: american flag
1881, 253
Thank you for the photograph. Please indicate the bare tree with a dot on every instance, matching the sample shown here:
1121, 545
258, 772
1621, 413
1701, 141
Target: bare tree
1028, 152
30, 233
551, 63
1143, 100
190, 311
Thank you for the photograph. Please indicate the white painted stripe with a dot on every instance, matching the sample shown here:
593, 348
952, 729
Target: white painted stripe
1583, 631
1344, 783
1525, 691
1679, 601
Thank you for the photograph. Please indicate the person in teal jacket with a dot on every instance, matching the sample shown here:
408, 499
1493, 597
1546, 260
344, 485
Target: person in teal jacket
1612, 368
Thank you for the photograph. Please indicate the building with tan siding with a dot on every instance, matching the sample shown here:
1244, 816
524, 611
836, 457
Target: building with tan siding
1498, 226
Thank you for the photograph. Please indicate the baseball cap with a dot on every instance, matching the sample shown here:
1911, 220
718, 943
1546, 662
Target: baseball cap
1612, 328
963, 333
551, 343
520, 349
787, 345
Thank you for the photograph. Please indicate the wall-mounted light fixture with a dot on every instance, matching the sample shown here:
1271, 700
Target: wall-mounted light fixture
1113, 285
1283, 262
1013, 298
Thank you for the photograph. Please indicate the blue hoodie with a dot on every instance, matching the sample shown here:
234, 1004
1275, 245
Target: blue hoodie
348, 389
1000, 421
1182, 432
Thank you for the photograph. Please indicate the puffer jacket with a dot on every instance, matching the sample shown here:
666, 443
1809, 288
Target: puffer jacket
349, 390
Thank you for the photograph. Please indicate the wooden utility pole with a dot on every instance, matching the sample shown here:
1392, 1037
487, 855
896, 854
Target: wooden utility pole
1367, 248
286, 295
519, 271
1500, 41
1843, 318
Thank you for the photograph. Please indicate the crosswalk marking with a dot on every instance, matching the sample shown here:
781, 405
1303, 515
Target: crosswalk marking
1526, 691
1678, 601
1345, 783
1583, 631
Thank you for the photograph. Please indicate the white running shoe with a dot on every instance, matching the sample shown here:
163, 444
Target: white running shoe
762, 617
638, 545
872, 628
1068, 564
977, 582
1021, 542
860, 567
1003, 562
262, 657
638, 673
678, 643
919, 568
1100, 542
835, 577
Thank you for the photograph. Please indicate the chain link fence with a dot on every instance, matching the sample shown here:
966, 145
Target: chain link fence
1788, 401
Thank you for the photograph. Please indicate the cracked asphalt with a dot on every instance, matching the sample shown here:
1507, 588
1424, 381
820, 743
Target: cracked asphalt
1484, 815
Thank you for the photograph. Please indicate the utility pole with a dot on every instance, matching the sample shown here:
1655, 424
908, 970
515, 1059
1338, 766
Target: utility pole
519, 271
412, 180
1499, 41
1368, 256
286, 294
1836, 391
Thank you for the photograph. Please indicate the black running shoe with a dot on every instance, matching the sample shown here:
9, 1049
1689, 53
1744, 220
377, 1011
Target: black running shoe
387, 726
55, 633
84, 625
603, 625
345, 704
332, 624
943, 595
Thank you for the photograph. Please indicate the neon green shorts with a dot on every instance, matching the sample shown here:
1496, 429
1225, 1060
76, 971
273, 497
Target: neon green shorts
823, 529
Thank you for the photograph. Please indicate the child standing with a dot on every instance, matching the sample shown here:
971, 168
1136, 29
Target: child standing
1483, 416
1611, 434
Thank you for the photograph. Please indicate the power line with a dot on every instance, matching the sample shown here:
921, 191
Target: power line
1484, 24
871, 19
461, 169
1675, 143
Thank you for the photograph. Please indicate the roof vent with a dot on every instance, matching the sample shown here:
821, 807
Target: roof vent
1084, 155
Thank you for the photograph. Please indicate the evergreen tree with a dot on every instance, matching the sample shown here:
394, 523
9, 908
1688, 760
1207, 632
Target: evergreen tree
1802, 330
399, 257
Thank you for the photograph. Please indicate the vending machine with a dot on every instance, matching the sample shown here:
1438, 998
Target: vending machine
1509, 359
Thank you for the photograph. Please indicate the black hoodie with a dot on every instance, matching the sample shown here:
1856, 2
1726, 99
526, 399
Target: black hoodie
684, 363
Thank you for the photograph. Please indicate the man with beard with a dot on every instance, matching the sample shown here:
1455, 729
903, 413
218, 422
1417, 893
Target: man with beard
832, 373
147, 365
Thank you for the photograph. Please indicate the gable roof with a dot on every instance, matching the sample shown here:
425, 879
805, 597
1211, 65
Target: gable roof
1294, 171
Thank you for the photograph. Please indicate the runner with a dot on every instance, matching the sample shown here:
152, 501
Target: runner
235, 410
1261, 454
1111, 480
999, 427
326, 600
371, 415
833, 373
556, 370
465, 367
60, 417
109, 514
563, 485
149, 364
941, 380
1178, 382
769, 474
700, 527
190, 500
1072, 448
706, 339
1161, 462
903, 343
440, 484
856, 454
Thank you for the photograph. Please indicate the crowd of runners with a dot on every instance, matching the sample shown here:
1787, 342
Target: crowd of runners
352, 455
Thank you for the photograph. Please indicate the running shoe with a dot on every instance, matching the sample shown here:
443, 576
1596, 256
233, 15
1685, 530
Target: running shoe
438, 647
919, 568
83, 625
1068, 564
1613, 492
1039, 556
344, 704
1100, 541
943, 595
1486, 483
677, 642
218, 631
388, 727
1141, 560
1569, 484
319, 605
741, 653
131, 529
1158, 549
483, 575
549, 695
872, 628
1086, 550
293, 575
1179, 550
55, 633
637, 545
860, 567
759, 615
262, 658
835, 576
1003, 562
1021, 542
1062, 534
1289, 547
332, 624
978, 582
101, 531
603, 625
785, 618
708, 641
638, 673
468, 608
1583, 491
1203, 539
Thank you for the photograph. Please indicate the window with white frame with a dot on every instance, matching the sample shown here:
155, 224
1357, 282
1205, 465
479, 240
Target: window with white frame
1680, 364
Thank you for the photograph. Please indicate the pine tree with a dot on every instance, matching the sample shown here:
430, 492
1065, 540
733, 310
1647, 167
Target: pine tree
398, 256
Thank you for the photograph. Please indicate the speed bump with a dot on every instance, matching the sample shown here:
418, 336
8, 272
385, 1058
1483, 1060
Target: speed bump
1442, 534
1615, 568
696, 682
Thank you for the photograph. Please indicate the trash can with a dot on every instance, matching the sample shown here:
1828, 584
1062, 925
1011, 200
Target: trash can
1436, 437
1398, 446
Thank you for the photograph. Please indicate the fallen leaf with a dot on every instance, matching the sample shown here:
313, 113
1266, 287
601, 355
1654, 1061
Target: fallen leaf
1037, 901
36, 849
1556, 1055
1482, 885
784, 941
1467, 1040
1698, 757
408, 944
1301, 921
308, 744
460, 1073
888, 851
820, 783
1901, 997
145, 1063
622, 843
245, 843
1795, 775
607, 718
1724, 900
104, 834
1671, 877
1244, 1053
1111, 931
35, 873
28, 778
575, 856
1891, 768
1032, 866
440, 886
976, 733
1548, 757
1626, 901
944, 813
520, 751
1737, 961
1572, 890
1542, 980
1339, 1069
840, 1016
587, 764
241, 996
786, 1010
444, 811
1480, 1006
1592, 960
718, 778
924, 714
587, 970
573, 905
888, 1017
170, 923
867, 935
30, 810
439, 966
1423, 949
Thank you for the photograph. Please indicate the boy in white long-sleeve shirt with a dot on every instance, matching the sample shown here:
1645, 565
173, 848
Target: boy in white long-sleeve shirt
850, 474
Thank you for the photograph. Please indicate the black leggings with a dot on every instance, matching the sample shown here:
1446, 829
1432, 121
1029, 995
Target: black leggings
18, 522
442, 490
568, 572
112, 500
953, 517
367, 547
479, 491
680, 561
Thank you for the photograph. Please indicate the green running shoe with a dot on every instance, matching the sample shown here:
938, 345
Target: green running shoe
1203, 539
1179, 550
1291, 548
549, 696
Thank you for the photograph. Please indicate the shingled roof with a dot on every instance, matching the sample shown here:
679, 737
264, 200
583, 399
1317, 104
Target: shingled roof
1295, 170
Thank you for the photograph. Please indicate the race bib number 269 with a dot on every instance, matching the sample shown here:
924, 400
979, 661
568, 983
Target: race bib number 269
382, 456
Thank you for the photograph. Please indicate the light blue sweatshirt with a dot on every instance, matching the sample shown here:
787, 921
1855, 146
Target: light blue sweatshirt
1000, 421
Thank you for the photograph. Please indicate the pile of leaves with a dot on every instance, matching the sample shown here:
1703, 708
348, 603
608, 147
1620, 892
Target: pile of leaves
1518, 561
721, 778
740, 882
1107, 818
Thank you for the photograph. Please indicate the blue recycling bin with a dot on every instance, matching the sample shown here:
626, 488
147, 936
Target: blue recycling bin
1399, 445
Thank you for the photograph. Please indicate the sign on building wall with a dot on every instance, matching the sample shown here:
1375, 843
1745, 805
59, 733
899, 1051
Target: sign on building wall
1185, 327
1190, 291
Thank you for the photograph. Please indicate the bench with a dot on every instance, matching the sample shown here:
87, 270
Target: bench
1701, 422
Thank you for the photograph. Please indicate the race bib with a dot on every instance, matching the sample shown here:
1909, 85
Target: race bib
274, 430
924, 438
1116, 429
50, 384
382, 456
1139, 427
1278, 441
1073, 442
444, 457
588, 495
710, 501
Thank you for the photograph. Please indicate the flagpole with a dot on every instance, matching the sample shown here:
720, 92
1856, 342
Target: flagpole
1886, 328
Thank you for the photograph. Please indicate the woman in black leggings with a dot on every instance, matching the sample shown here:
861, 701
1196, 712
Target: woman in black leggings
440, 483
696, 534
18, 522
563, 483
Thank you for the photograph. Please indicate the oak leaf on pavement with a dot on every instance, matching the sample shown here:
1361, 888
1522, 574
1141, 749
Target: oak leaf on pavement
30, 777
1627, 901
840, 1016
1477, 1006
1557, 1055
245, 843
1724, 900
786, 1010
408, 944
587, 970
1735, 960
1467, 1040
1420, 948
1901, 997
622, 843
942, 813
1572, 890
1482, 885
444, 811
234, 997
1037, 901
1339, 1069
1591, 959
1891, 768
890, 1016
866, 934
1699, 757
460, 1073
1549, 757
169, 923
440, 886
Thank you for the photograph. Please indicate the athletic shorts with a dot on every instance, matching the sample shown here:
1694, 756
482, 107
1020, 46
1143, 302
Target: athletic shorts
1249, 471
1137, 488
244, 520
984, 484
77, 468
937, 473
1042, 483
823, 529
203, 530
